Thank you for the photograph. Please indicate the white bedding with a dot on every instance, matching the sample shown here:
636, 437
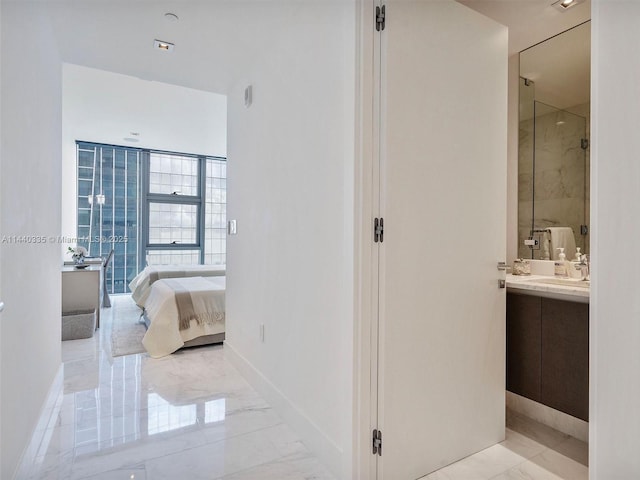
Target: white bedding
140, 286
163, 335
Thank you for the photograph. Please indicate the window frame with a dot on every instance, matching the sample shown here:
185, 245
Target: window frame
168, 198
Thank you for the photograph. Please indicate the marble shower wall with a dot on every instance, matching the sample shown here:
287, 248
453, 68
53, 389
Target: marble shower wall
556, 193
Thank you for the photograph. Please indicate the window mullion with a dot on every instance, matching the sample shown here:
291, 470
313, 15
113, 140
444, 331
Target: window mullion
202, 188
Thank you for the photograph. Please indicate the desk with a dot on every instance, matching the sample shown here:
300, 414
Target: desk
88, 260
82, 289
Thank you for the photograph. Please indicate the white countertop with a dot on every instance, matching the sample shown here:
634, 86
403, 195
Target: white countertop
530, 284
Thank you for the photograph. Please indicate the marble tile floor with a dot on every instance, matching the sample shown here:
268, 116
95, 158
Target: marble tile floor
531, 451
186, 416
192, 416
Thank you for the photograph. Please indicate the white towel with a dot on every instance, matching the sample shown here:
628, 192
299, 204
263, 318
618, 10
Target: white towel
562, 237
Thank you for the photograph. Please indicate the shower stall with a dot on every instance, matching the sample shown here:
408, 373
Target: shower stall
553, 171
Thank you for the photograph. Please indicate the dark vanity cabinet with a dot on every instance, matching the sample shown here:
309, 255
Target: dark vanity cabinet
524, 345
548, 352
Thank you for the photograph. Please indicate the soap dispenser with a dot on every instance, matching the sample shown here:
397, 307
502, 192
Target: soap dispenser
574, 266
560, 265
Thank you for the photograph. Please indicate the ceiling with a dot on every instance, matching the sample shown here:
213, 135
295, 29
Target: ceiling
215, 39
530, 21
559, 66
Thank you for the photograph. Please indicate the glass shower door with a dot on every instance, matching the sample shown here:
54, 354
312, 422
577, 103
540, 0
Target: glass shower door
559, 173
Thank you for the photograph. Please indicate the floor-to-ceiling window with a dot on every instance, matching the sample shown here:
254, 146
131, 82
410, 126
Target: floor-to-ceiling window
108, 208
150, 207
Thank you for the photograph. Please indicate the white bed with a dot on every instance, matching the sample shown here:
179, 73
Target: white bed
140, 286
203, 320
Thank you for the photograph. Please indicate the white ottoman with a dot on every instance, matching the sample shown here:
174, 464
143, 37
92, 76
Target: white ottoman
78, 324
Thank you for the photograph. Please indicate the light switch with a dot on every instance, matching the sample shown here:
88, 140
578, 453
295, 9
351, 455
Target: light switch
231, 227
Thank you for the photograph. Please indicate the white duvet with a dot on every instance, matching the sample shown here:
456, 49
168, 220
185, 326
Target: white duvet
163, 336
140, 286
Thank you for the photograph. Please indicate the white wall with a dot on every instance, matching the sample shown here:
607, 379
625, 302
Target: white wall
291, 188
105, 107
614, 439
1, 296
29, 206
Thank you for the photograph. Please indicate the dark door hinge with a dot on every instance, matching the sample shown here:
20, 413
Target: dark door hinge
377, 442
378, 230
584, 143
380, 12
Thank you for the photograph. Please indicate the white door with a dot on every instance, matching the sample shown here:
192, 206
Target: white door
441, 346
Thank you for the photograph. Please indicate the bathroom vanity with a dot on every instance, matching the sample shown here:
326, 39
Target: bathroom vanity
548, 342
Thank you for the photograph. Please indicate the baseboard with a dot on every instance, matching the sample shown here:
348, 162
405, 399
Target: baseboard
330, 454
548, 416
34, 454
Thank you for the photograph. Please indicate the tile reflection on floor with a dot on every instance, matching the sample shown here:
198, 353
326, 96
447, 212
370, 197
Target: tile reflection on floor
188, 415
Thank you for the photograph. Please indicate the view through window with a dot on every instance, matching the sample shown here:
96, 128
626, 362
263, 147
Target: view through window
150, 207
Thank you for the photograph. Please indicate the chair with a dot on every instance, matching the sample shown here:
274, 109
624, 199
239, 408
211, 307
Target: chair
106, 301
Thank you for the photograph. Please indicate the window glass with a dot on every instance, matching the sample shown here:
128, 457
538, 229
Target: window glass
173, 223
109, 209
216, 212
173, 257
173, 174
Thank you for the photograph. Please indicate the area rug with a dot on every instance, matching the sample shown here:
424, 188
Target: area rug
126, 329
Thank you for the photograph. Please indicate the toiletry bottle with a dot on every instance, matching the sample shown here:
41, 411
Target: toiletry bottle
573, 267
578, 256
521, 267
560, 265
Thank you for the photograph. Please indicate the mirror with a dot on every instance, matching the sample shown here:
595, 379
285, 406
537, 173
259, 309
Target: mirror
553, 151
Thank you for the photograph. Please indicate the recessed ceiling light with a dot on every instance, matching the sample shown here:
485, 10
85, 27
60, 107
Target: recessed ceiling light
131, 139
172, 17
564, 5
163, 46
